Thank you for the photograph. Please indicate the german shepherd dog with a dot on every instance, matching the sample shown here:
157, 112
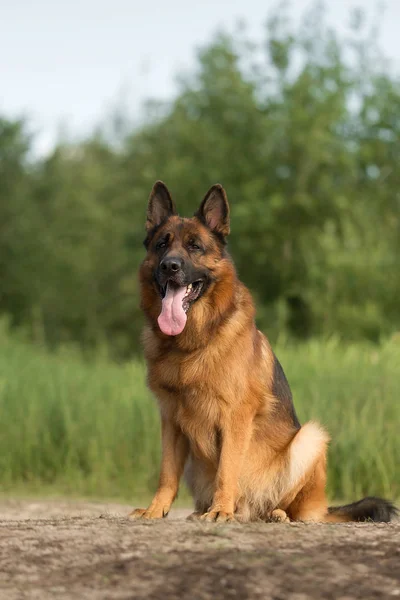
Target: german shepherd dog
227, 417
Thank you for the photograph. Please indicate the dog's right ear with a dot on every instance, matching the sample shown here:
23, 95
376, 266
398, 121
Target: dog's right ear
160, 205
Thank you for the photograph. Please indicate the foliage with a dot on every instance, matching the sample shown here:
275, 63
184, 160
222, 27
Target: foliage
92, 427
302, 130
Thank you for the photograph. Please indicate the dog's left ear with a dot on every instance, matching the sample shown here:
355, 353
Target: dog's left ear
214, 210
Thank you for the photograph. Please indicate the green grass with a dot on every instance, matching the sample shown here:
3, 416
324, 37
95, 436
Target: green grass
92, 429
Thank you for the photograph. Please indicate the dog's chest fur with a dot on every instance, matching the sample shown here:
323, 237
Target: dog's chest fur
187, 395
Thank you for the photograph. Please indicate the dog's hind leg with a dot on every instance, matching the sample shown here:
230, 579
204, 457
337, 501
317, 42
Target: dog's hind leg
201, 485
305, 498
310, 502
279, 516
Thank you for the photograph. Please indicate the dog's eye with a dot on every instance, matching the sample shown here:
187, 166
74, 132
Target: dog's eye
194, 246
161, 245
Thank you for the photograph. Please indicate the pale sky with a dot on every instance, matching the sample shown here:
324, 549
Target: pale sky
68, 63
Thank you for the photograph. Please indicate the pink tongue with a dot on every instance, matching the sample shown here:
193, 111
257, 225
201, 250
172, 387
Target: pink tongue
172, 319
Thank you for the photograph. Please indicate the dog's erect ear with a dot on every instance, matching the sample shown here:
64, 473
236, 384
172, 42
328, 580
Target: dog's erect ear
214, 210
160, 205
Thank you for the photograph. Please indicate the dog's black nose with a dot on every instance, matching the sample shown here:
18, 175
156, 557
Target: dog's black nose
171, 264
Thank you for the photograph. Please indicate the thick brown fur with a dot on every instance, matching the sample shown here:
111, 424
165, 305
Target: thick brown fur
228, 421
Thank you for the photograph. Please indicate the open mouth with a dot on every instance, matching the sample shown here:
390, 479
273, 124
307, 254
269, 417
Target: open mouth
193, 291
176, 301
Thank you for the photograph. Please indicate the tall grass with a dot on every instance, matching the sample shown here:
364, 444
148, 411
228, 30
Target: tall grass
92, 428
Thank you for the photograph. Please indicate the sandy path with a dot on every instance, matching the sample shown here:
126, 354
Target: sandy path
65, 550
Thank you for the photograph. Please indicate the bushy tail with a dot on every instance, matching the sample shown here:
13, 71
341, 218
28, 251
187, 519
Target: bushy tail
367, 509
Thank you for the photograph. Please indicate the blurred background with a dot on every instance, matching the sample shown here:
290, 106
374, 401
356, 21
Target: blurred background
295, 109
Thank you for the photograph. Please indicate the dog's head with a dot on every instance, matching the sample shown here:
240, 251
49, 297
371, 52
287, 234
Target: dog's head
183, 255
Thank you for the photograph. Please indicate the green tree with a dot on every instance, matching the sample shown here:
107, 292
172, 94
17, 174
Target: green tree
302, 129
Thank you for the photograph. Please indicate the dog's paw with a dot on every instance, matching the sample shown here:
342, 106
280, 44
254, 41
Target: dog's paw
279, 516
217, 516
194, 516
156, 512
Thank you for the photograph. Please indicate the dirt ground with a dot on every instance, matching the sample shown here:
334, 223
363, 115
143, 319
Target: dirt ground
92, 551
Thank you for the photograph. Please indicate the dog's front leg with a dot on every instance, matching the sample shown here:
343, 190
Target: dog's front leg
174, 453
236, 435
